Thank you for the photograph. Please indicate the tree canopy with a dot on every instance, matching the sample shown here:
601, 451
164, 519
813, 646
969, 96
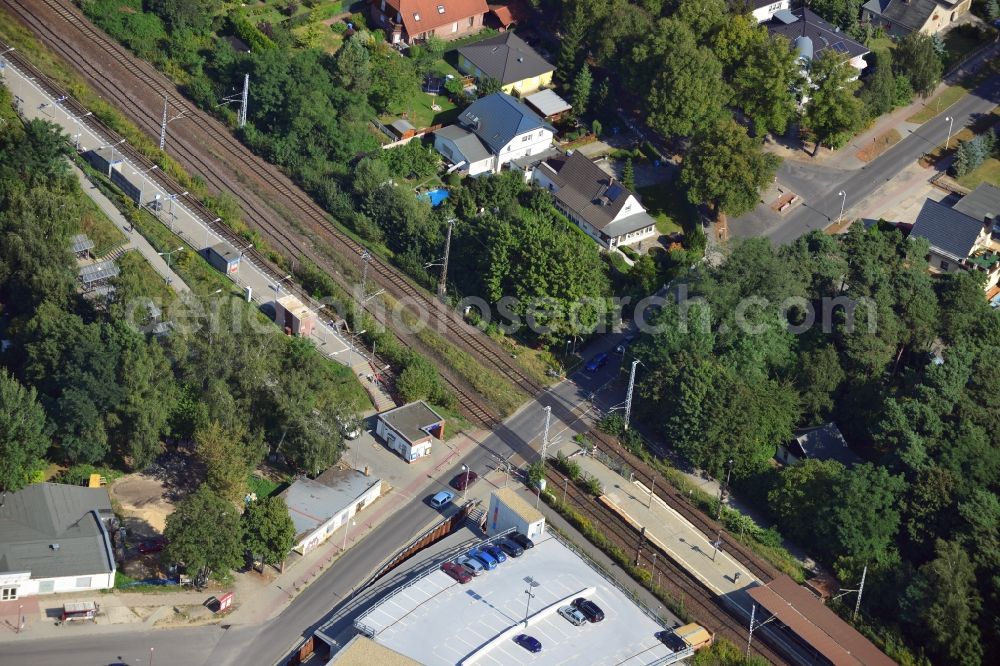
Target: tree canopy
205, 534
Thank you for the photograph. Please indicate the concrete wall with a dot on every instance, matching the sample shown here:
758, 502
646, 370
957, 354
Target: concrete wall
32, 587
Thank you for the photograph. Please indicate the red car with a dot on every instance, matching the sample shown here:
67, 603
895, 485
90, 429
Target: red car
154, 545
464, 480
456, 572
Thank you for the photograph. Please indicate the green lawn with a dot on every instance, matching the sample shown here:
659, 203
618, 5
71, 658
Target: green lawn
261, 486
987, 172
98, 227
938, 103
136, 270
959, 42
881, 44
670, 210
417, 109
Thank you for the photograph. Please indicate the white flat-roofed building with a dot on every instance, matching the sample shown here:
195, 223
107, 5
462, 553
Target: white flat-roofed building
319, 506
435, 620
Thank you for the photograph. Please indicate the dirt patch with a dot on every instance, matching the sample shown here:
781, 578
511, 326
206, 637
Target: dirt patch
880, 144
144, 504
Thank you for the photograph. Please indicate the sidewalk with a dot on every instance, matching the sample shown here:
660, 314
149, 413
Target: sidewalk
136, 241
846, 157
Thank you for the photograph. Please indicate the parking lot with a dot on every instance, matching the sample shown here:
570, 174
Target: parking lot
438, 621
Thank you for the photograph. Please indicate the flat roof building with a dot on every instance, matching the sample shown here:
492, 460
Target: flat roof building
293, 317
319, 506
435, 620
409, 430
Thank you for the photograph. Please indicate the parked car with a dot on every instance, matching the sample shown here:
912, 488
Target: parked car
522, 541
590, 610
457, 572
671, 640
496, 553
511, 548
573, 614
471, 565
529, 643
464, 480
154, 545
487, 560
349, 428
629, 339
597, 362
442, 498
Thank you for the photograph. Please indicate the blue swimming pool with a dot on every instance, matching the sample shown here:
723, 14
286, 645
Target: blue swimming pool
435, 197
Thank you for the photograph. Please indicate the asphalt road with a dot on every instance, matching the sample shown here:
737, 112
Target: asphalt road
518, 438
819, 186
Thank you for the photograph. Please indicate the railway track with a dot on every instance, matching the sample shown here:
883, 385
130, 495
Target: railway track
703, 604
472, 406
123, 78
761, 569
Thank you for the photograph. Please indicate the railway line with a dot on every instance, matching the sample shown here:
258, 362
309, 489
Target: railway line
704, 605
130, 83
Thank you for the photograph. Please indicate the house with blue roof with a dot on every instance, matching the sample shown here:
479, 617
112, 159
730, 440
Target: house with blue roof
491, 132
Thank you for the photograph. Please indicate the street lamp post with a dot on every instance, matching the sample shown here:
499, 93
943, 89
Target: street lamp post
347, 527
112, 160
277, 286
168, 255
142, 181
723, 488
951, 126
465, 486
173, 198
532, 583
843, 203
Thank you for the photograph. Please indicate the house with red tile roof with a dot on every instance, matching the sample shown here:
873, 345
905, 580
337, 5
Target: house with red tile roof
414, 21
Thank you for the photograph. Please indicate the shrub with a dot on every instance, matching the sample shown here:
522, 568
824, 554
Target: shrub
593, 485
339, 28
970, 154
570, 468
536, 472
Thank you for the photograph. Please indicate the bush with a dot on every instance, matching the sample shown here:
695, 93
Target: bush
629, 252
593, 485
570, 468
339, 28
79, 475
970, 154
536, 472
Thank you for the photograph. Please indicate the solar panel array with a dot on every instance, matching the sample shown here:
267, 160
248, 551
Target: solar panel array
81, 243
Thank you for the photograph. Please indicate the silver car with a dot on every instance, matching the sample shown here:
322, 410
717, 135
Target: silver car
471, 564
573, 615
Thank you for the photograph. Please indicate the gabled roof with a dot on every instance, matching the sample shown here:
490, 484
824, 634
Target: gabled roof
810, 29
583, 187
981, 202
825, 442
949, 231
911, 13
506, 58
471, 147
834, 639
496, 119
49, 530
422, 15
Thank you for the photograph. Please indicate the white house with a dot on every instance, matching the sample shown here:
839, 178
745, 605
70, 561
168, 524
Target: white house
490, 133
597, 203
763, 10
53, 538
319, 506
409, 430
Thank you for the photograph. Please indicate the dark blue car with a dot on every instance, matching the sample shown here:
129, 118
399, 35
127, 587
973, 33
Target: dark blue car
529, 643
496, 553
597, 362
485, 558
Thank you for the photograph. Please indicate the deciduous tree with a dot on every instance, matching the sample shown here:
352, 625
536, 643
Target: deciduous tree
204, 533
833, 112
268, 530
917, 59
23, 437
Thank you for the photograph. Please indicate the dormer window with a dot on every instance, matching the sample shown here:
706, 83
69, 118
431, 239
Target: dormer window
440, 9
416, 16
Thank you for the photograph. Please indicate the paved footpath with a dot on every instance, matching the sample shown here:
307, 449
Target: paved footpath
136, 240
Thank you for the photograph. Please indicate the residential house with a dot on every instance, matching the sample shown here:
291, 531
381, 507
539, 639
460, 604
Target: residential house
810, 36
958, 240
597, 203
763, 10
901, 17
54, 538
823, 442
509, 60
413, 21
490, 133
410, 430
502, 17
319, 506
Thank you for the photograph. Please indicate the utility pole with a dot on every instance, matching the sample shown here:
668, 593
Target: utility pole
545, 434
861, 589
163, 124
753, 613
652, 487
443, 284
365, 258
246, 95
628, 396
